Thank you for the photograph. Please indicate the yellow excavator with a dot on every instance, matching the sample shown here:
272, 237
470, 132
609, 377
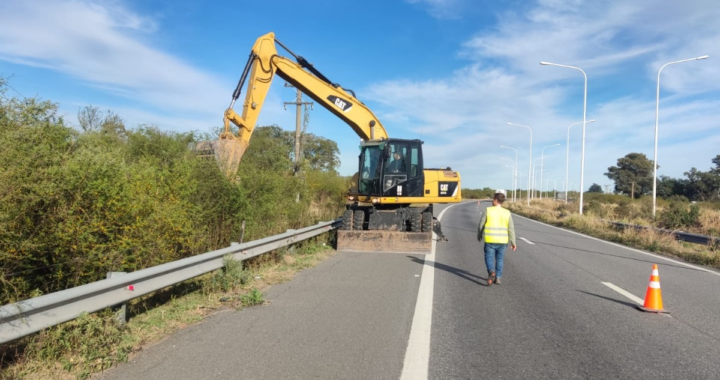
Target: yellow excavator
390, 201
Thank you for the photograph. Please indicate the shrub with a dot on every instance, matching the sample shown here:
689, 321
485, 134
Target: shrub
88, 344
678, 215
230, 276
76, 205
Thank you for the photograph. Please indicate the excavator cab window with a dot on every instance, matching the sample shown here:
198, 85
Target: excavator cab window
396, 170
396, 160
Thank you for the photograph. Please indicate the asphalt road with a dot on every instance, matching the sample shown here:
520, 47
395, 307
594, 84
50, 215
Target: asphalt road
352, 316
553, 318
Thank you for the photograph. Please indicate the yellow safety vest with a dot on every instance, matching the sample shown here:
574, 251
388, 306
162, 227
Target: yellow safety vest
497, 225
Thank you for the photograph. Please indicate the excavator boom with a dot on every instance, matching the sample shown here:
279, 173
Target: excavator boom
263, 64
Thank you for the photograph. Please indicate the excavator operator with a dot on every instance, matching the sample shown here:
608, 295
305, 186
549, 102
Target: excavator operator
398, 163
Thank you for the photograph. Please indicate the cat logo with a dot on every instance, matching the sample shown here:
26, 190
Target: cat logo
343, 104
444, 188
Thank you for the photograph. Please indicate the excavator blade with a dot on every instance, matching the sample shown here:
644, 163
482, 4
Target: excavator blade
384, 241
227, 153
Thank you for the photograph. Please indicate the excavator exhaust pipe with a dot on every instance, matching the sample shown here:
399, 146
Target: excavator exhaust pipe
227, 152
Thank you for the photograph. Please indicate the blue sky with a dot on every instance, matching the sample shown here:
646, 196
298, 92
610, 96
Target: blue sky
450, 72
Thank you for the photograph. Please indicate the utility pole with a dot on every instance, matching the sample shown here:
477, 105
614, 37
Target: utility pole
632, 192
298, 131
607, 190
298, 116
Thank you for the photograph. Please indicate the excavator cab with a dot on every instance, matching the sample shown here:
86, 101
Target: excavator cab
391, 168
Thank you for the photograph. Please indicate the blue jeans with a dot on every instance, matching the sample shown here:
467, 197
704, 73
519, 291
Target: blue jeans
494, 258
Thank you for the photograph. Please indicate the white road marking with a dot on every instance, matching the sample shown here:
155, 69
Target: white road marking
527, 241
624, 292
417, 355
628, 248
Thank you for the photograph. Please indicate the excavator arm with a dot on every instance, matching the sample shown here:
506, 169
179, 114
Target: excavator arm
262, 66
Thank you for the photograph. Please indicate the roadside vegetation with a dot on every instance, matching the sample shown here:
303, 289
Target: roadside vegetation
77, 202
690, 204
483, 193
600, 208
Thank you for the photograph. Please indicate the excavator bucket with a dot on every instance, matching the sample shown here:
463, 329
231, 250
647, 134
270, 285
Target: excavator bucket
384, 241
227, 153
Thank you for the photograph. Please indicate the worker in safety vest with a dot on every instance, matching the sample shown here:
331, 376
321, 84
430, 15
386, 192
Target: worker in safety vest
496, 229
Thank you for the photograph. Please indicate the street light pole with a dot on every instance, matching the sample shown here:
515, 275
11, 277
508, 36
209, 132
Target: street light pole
514, 174
529, 168
567, 158
542, 165
657, 113
512, 177
582, 159
533, 180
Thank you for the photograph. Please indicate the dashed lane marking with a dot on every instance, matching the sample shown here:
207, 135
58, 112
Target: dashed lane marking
624, 292
527, 241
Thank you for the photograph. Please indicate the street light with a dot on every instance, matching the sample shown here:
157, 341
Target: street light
533, 179
512, 182
567, 158
657, 112
519, 182
512, 173
582, 159
529, 168
515, 174
542, 163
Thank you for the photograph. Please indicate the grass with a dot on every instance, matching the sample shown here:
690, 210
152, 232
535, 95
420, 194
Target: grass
590, 223
94, 342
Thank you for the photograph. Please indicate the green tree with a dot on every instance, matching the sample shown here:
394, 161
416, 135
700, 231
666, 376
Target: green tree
702, 186
668, 187
320, 153
595, 188
633, 168
91, 119
716, 161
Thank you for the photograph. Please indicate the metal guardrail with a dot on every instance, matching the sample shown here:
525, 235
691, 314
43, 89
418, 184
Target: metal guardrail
30, 316
679, 235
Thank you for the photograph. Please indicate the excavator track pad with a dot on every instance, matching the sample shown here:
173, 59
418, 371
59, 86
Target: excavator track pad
416, 243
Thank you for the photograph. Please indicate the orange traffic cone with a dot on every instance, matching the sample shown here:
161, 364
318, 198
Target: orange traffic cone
653, 297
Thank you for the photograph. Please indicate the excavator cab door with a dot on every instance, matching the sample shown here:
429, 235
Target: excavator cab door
370, 171
402, 174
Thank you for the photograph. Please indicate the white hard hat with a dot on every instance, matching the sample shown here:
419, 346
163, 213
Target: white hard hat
500, 191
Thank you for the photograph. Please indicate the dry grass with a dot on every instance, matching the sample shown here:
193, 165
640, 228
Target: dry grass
710, 222
567, 216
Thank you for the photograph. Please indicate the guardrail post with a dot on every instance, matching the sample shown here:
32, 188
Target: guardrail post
120, 310
242, 233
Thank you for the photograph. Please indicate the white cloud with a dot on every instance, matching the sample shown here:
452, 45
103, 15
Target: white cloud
466, 111
101, 44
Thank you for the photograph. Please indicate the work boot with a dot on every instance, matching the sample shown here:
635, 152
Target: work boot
491, 277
